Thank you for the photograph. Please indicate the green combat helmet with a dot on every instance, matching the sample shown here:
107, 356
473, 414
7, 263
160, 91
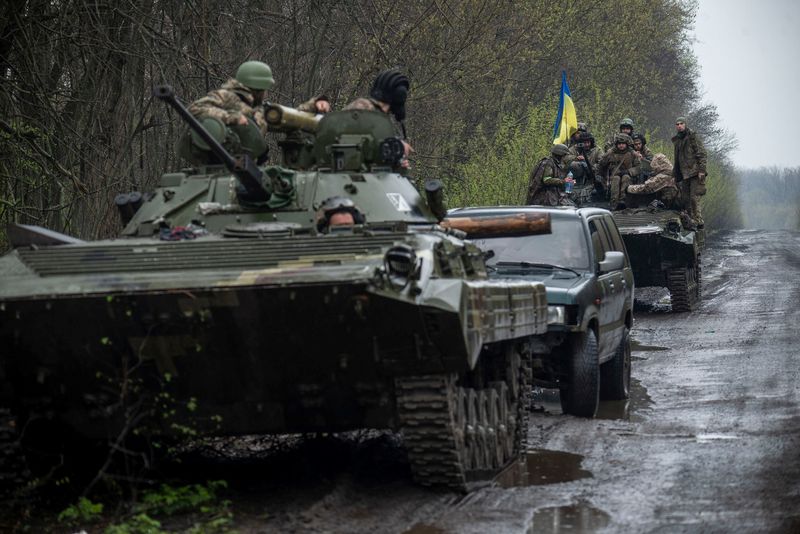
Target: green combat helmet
559, 150
626, 123
623, 138
255, 75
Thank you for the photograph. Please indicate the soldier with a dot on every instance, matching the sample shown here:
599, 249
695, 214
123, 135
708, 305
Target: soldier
642, 172
318, 104
660, 186
583, 159
625, 127
546, 183
338, 211
237, 101
388, 95
689, 170
582, 129
615, 169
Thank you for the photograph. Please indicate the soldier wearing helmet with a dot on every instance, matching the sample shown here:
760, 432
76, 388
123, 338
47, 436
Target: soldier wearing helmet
582, 129
338, 211
583, 158
238, 100
625, 127
615, 170
546, 183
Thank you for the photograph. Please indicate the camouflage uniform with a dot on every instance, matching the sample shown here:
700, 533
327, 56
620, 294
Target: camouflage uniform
546, 184
229, 104
592, 157
615, 171
368, 104
660, 186
690, 162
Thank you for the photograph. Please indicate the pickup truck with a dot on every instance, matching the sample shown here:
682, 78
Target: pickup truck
589, 282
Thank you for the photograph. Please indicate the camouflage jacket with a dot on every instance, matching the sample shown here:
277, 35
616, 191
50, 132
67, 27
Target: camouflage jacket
690, 155
228, 104
619, 162
644, 163
369, 104
546, 182
310, 105
593, 157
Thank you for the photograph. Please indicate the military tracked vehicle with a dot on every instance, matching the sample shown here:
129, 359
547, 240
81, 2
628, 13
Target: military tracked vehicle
226, 307
663, 253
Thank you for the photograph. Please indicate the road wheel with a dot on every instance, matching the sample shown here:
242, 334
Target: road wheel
581, 394
683, 288
615, 374
454, 433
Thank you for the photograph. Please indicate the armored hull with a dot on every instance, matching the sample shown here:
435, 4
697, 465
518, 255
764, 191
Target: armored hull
663, 253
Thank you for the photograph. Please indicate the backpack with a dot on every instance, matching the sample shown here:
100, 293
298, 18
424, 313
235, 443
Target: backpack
535, 181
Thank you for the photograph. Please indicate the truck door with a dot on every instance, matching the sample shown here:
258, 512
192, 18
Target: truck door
609, 289
627, 271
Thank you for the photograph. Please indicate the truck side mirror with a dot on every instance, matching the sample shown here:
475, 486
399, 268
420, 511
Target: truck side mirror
613, 261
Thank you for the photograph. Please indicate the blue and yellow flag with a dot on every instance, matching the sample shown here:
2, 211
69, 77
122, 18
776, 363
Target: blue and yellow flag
567, 119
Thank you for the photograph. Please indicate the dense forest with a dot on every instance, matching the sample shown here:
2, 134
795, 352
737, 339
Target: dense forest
78, 123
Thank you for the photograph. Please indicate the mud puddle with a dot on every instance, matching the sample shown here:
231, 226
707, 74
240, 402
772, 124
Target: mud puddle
637, 346
631, 409
424, 528
540, 467
573, 518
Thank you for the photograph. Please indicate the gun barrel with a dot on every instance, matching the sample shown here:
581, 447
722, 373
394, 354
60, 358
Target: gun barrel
242, 167
283, 118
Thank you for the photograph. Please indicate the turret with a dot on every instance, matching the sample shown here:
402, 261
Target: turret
241, 166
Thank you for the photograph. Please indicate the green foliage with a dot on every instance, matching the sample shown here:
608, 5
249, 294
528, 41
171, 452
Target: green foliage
200, 502
138, 524
169, 500
84, 511
721, 208
497, 173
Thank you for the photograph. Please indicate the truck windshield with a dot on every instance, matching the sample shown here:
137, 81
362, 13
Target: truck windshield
565, 246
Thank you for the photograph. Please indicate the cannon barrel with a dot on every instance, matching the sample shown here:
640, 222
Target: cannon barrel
243, 166
282, 118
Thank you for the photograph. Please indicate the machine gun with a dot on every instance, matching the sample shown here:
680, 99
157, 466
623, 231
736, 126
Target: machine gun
243, 166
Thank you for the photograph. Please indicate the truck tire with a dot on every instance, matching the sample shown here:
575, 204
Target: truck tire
581, 394
615, 374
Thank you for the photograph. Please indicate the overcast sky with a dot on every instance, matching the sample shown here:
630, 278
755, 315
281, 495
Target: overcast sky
749, 53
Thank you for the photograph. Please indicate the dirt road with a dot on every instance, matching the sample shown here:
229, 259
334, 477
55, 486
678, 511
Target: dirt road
709, 442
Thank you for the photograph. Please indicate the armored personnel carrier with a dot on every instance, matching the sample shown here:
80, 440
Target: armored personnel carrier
229, 306
663, 253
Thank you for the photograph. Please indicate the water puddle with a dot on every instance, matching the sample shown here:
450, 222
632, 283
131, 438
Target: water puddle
629, 409
574, 518
708, 438
423, 528
539, 467
638, 347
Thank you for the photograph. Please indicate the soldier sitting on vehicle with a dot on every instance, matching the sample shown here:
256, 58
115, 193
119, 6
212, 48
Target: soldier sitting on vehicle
615, 170
625, 127
548, 179
338, 211
575, 138
388, 95
582, 160
658, 187
642, 171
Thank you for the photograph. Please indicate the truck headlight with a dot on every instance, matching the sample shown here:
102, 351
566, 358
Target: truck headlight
556, 315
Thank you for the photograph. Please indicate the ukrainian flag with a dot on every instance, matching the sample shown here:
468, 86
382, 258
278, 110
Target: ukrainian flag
566, 121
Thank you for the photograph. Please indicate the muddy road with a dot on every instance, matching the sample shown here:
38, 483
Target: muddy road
709, 441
